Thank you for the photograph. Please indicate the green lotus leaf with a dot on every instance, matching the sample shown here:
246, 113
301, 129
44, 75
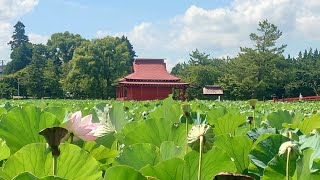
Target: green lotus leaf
20, 126
276, 168
117, 116
123, 173
237, 147
4, 150
309, 123
228, 123
29, 176
168, 169
60, 112
170, 110
304, 164
169, 150
36, 158
138, 155
156, 131
215, 113
277, 119
264, 151
100, 152
254, 134
214, 161
312, 141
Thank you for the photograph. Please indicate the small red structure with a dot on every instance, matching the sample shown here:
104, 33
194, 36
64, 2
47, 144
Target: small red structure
149, 81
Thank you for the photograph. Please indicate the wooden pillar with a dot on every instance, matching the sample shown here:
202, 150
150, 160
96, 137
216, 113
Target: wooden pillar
123, 91
157, 92
183, 93
117, 92
141, 92
179, 94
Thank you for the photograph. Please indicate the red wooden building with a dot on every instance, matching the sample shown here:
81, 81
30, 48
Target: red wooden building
149, 81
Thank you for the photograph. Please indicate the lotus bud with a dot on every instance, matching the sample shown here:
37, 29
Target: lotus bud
194, 134
186, 110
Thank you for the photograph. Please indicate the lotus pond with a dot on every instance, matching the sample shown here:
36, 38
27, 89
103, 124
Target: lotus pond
92, 139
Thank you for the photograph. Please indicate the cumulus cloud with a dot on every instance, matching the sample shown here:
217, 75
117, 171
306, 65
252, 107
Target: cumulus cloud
37, 38
222, 31
14, 8
10, 10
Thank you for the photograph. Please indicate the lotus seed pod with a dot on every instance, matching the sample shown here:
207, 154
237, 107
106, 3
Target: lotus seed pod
289, 144
194, 137
186, 109
253, 103
315, 132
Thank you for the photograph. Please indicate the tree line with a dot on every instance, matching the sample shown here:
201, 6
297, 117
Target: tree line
67, 65
261, 71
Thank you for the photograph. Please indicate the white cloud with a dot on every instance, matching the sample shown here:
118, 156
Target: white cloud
222, 31
9, 11
38, 39
14, 8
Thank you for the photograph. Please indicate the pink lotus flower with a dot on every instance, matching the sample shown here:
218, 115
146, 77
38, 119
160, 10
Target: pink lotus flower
83, 128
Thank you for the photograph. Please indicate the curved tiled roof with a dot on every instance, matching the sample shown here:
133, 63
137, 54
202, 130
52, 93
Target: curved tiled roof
150, 69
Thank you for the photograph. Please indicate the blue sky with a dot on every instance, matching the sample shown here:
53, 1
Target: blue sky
87, 17
166, 29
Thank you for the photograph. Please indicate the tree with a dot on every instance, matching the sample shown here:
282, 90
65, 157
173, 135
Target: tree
51, 83
21, 50
96, 65
18, 38
266, 42
130, 48
33, 78
259, 72
200, 70
198, 58
62, 45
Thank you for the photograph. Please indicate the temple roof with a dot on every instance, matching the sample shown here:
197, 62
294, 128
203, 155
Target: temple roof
150, 70
168, 83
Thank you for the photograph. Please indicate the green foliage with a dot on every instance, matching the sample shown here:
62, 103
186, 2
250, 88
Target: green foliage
4, 150
152, 147
123, 173
169, 169
20, 126
277, 119
237, 147
138, 156
37, 159
264, 151
96, 65
156, 131
213, 162
169, 150
228, 123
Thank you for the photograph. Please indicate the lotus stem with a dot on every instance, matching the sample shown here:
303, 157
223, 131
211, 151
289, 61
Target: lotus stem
55, 165
200, 157
254, 118
186, 147
288, 164
71, 138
